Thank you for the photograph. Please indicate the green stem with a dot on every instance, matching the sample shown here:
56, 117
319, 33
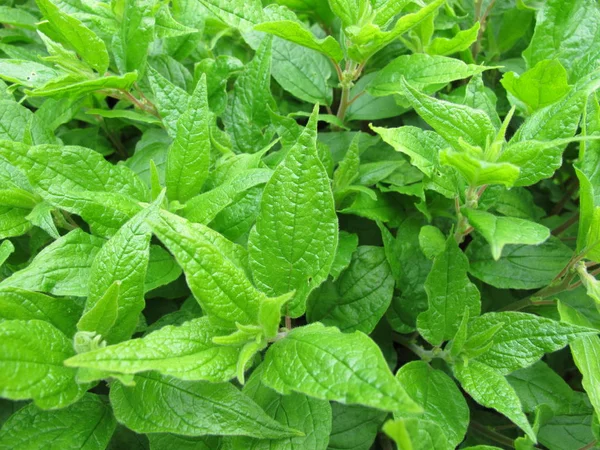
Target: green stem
491, 434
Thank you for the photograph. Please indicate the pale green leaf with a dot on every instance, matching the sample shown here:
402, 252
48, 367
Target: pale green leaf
499, 231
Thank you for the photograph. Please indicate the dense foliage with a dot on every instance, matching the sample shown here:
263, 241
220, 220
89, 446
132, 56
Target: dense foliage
299, 224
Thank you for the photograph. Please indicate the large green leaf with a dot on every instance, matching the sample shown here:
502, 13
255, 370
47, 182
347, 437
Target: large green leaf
293, 244
292, 365
31, 355
185, 352
161, 404
86, 425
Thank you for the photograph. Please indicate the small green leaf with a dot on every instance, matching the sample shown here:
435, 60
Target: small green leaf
490, 389
161, 404
459, 42
103, 314
292, 364
432, 241
450, 293
522, 338
519, 266
359, 297
189, 155
236, 14
297, 33
500, 231
74, 33
416, 434
347, 244
439, 397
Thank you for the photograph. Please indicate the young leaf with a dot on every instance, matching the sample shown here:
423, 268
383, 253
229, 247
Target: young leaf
519, 266
102, 315
247, 114
31, 355
423, 72
490, 389
293, 244
136, 33
459, 42
450, 293
295, 32
186, 352
500, 231
189, 155
123, 259
74, 33
416, 434
540, 86
360, 296
218, 283
292, 364
522, 338
87, 424
161, 404
452, 121
439, 397
171, 100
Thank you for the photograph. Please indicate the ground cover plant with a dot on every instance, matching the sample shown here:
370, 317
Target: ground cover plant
299, 224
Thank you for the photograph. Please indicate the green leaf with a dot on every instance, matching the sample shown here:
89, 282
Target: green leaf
539, 384
62, 268
421, 71
347, 244
26, 73
567, 31
74, 86
161, 404
186, 352
540, 86
297, 33
236, 14
452, 121
32, 354
369, 39
41, 216
478, 96
292, 364
522, 338
102, 315
347, 170
432, 241
123, 259
205, 207
586, 353
450, 293
308, 415
171, 100
74, 33
136, 33
416, 434
293, 244
439, 397
490, 389
500, 231
7, 248
189, 155
88, 424
354, 427
19, 304
17, 17
519, 266
459, 42
247, 114
218, 283
167, 441
359, 297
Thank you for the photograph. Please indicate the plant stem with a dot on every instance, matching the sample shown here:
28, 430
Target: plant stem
589, 446
344, 103
491, 434
565, 226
